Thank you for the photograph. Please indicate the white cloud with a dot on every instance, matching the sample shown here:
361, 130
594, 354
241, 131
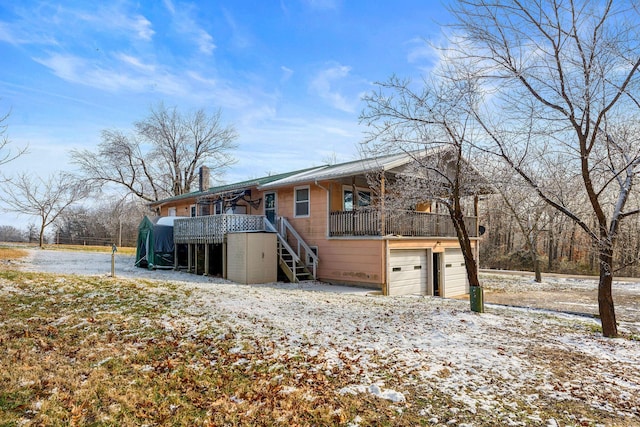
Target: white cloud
170, 6
241, 36
421, 51
223, 93
185, 23
64, 66
327, 84
16, 35
135, 62
205, 42
109, 18
140, 79
143, 27
322, 4
286, 73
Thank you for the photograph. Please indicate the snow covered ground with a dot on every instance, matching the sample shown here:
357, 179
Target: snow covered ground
510, 362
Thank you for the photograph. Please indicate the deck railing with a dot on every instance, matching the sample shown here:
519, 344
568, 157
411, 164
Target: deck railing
369, 222
213, 228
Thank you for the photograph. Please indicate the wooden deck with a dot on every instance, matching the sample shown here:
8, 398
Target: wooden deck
211, 229
411, 224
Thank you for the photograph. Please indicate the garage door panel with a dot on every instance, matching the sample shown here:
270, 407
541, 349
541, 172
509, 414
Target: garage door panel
455, 274
408, 272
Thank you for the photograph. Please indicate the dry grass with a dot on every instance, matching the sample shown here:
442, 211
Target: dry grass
86, 248
99, 351
102, 351
12, 254
20, 249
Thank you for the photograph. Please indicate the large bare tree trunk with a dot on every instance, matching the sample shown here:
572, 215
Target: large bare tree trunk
465, 245
605, 298
41, 237
537, 270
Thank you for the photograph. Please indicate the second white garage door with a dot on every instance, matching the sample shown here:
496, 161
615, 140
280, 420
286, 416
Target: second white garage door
408, 272
455, 274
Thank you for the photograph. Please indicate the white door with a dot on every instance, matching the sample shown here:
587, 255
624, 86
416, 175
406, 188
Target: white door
455, 274
408, 272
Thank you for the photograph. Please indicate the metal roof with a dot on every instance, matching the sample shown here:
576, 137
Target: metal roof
255, 182
313, 174
342, 170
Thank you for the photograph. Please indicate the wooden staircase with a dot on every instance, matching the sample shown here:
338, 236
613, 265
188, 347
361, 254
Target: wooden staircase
293, 261
291, 265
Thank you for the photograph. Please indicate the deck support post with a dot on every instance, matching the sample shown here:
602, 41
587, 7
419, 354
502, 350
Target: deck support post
206, 259
189, 257
175, 256
195, 260
224, 258
383, 219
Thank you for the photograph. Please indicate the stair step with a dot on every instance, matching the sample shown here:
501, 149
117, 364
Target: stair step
289, 261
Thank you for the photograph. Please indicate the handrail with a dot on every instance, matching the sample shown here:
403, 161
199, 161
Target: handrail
213, 228
285, 227
369, 222
283, 241
288, 227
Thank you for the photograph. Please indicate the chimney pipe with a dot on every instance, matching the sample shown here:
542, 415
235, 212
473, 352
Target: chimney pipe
205, 179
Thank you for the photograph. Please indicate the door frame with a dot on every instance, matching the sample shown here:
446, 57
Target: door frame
275, 206
437, 276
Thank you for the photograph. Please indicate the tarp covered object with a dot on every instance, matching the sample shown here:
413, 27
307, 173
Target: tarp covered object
155, 248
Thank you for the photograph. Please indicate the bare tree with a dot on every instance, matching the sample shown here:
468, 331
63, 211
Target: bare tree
432, 124
6, 155
44, 199
561, 79
531, 214
9, 233
162, 155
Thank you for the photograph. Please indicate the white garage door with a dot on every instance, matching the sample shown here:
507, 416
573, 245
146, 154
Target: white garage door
455, 274
408, 272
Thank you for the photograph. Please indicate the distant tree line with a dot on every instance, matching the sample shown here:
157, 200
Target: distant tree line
12, 234
561, 246
106, 224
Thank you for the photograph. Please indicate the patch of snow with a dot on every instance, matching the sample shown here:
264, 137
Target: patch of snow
495, 361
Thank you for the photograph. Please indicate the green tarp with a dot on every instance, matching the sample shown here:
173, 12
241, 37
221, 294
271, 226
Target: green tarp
155, 248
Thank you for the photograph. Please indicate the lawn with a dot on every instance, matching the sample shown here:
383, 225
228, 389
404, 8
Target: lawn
94, 350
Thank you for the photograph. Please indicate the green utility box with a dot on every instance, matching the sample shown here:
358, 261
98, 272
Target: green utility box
476, 297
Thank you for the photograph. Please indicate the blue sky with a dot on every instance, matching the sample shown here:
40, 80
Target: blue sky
288, 74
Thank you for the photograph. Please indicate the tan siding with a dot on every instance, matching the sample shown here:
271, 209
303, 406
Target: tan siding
183, 208
336, 196
352, 261
314, 226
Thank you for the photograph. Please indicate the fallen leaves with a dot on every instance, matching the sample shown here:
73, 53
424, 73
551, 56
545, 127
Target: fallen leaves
94, 350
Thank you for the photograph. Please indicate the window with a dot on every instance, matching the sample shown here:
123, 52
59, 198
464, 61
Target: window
172, 211
301, 201
217, 207
193, 210
364, 198
205, 210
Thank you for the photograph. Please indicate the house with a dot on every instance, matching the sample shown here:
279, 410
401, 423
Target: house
331, 225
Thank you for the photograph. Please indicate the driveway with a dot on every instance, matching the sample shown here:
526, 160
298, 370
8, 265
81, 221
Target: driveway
93, 263
564, 293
